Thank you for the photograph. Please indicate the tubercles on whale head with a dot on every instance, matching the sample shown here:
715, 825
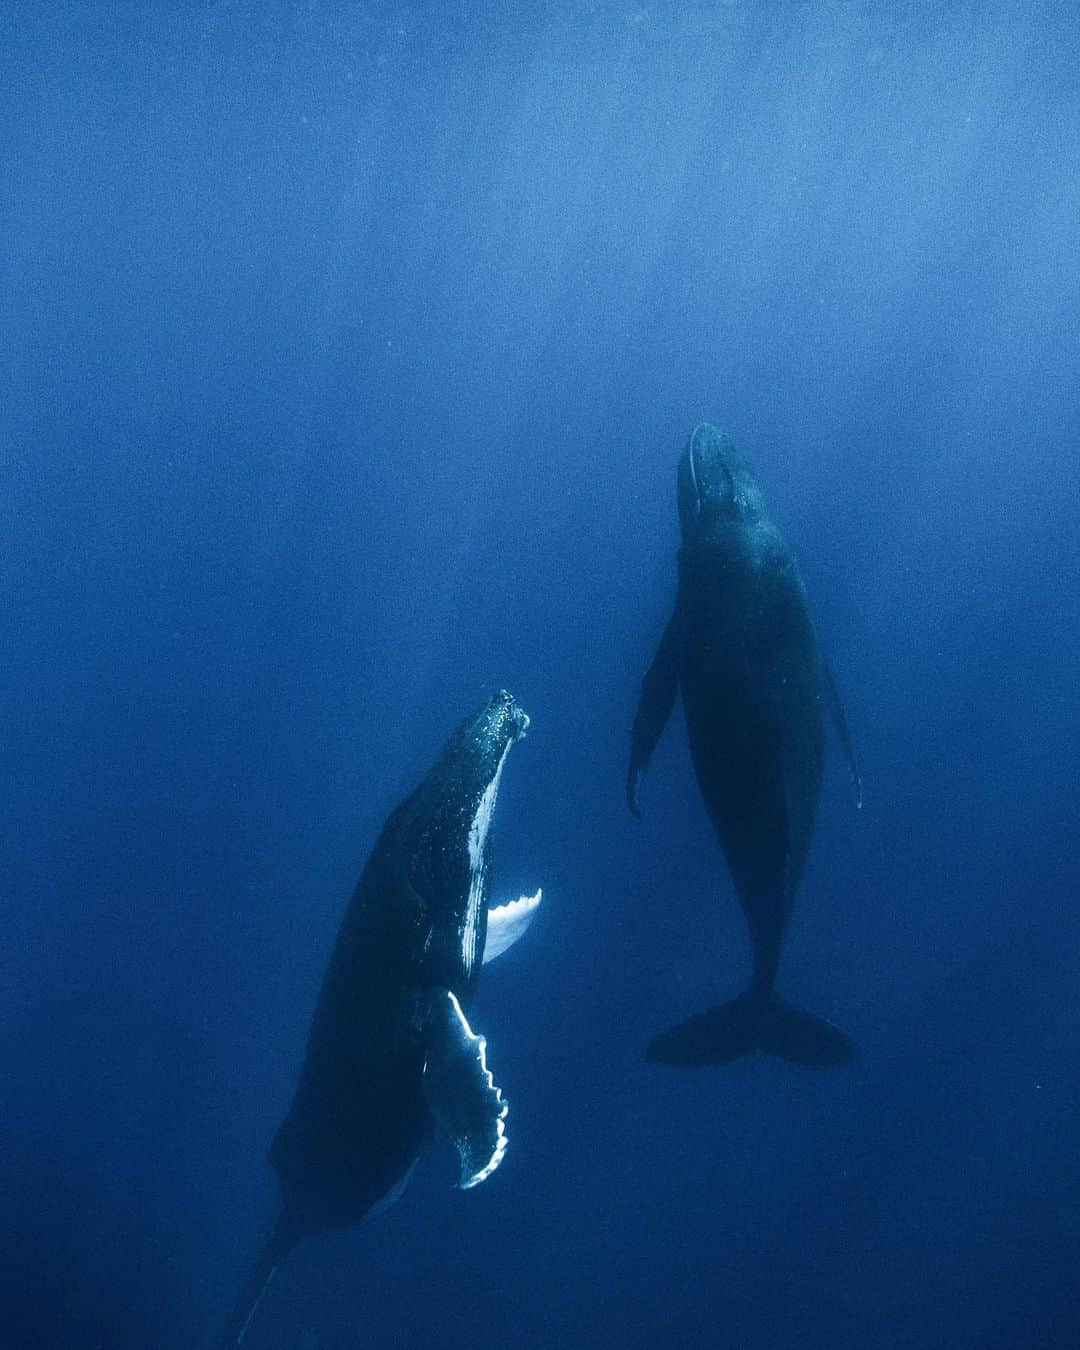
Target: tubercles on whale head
474, 754
513, 717
498, 724
715, 484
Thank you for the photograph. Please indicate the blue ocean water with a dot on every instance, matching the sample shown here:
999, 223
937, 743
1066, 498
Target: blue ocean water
347, 351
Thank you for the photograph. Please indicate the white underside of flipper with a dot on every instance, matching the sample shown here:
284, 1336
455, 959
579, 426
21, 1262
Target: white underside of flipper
461, 1091
506, 923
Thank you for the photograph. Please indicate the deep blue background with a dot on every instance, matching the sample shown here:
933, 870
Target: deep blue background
346, 352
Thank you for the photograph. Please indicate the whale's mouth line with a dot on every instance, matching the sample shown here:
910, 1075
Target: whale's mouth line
694, 480
485, 809
479, 829
699, 504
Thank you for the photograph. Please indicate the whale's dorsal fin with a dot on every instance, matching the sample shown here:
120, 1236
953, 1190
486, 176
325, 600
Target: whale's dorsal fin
506, 923
461, 1091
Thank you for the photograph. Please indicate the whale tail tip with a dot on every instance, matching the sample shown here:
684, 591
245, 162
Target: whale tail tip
750, 1022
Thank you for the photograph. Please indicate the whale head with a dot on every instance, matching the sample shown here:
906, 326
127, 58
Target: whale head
450, 821
715, 484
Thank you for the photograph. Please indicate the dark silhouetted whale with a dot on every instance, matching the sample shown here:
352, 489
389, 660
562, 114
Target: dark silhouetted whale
741, 649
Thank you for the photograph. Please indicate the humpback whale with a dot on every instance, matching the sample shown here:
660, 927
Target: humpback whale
390, 1052
741, 649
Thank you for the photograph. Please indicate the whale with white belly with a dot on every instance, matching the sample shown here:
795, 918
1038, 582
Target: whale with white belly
391, 1053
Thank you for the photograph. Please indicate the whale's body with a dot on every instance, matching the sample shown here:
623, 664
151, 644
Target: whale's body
390, 1052
741, 650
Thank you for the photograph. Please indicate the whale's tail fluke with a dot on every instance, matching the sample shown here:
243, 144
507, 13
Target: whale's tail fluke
277, 1247
752, 1022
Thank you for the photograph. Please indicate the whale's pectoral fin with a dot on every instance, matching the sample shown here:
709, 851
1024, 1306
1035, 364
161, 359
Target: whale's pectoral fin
506, 923
836, 708
658, 690
461, 1091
